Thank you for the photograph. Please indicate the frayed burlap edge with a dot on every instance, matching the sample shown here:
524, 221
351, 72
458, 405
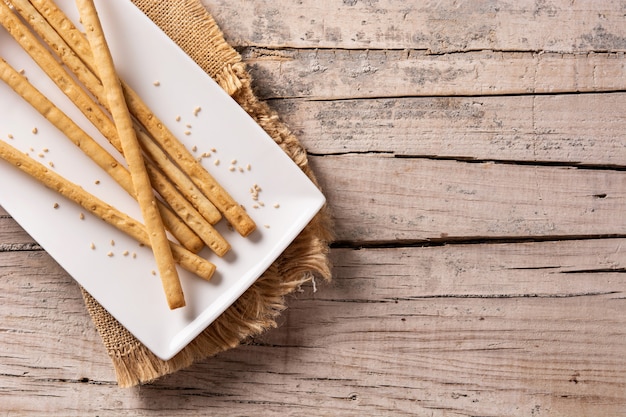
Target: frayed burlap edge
257, 309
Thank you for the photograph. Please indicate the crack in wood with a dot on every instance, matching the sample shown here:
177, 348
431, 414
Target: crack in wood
468, 296
253, 51
20, 247
596, 271
451, 240
471, 160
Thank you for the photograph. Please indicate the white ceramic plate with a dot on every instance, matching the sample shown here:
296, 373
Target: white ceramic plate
124, 285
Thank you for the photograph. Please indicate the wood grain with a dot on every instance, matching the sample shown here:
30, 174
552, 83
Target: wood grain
447, 327
379, 198
322, 74
441, 26
572, 129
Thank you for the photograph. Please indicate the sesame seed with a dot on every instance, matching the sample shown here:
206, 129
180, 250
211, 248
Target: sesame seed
240, 169
156, 83
267, 226
196, 110
112, 242
10, 136
96, 182
51, 164
40, 155
110, 254
213, 150
194, 148
55, 205
231, 168
134, 255
188, 126
256, 206
178, 118
248, 167
46, 150
92, 246
217, 162
262, 204
35, 130
81, 216
187, 132
233, 162
153, 272
125, 253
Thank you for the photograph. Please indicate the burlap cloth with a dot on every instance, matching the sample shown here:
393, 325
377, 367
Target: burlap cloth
189, 24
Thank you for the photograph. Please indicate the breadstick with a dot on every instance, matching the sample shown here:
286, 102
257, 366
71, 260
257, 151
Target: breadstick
211, 237
74, 92
231, 210
186, 259
91, 148
186, 187
132, 153
85, 75
46, 61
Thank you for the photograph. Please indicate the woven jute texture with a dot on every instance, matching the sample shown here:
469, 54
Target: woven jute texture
189, 24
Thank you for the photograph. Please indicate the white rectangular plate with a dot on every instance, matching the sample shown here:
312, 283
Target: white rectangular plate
124, 284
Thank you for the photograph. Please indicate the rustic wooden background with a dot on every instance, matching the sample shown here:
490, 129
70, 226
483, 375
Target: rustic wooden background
474, 159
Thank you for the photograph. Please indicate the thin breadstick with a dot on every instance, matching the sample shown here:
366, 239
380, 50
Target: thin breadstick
186, 259
86, 104
85, 75
186, 187
231, 210
20, 85
96, 152
132, 153
29, 42
211, 237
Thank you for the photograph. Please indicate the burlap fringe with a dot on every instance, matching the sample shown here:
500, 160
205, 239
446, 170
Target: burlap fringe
257, 309
252, 314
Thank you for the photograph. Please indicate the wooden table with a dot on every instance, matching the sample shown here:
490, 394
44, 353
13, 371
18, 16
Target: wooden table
473, 156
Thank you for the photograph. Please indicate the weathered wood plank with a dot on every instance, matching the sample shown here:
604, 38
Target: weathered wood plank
436, 26
376, 197
569, 129
340, 74
408, 331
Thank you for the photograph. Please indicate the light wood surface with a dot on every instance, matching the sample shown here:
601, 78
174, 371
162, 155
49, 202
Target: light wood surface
473, 156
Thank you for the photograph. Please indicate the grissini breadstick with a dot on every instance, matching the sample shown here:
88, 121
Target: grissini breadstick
211, 237
183, 233
186, 259
183, 183
29, 42
107, 162
132, 153
231, 210
85, 75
